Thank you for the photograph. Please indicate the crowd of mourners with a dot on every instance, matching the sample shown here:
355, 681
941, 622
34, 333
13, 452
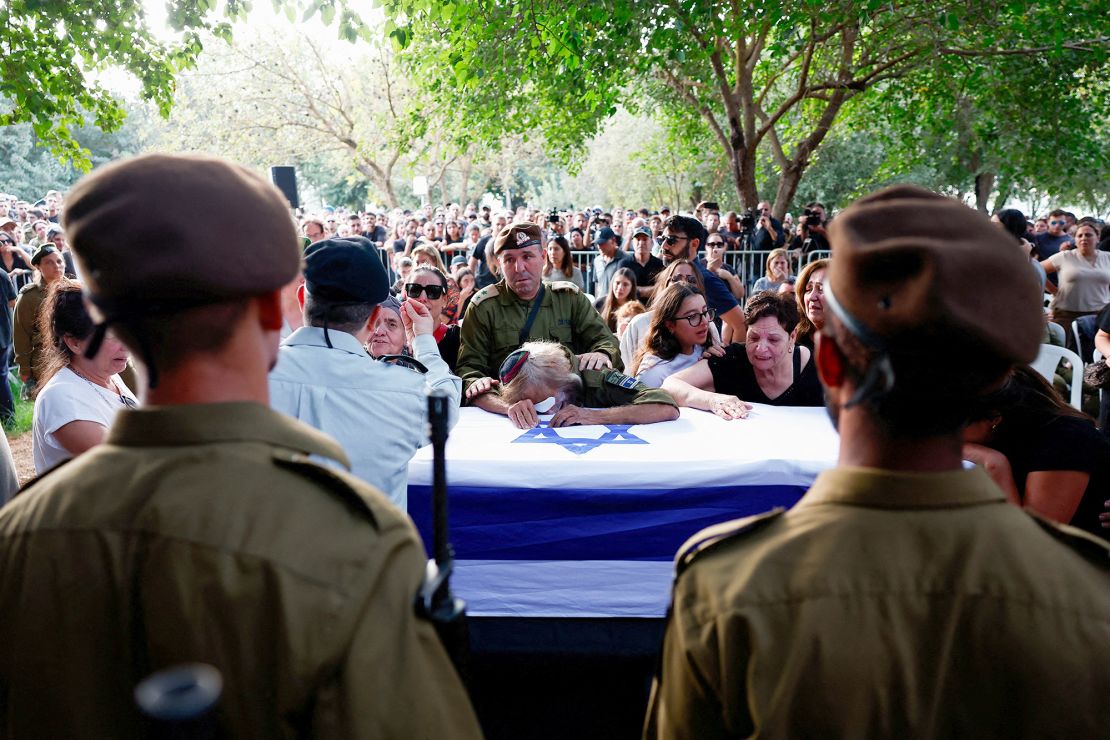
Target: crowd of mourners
716, 311
583, 316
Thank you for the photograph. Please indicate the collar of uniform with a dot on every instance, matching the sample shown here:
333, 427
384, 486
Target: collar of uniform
313, 336
887, 489
173, 426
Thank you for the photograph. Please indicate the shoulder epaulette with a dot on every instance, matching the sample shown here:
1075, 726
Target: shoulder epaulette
326, 478
490, 291
710, 537
564, 285
1088, 545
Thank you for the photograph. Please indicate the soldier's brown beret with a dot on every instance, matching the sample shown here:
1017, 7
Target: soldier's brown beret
518, 236
161, 232
911, 268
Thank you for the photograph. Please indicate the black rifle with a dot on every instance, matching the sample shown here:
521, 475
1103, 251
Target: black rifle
435, 601
178, 702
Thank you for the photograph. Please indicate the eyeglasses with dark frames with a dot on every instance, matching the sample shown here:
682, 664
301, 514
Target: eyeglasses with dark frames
695, 319
671, 239
684, 279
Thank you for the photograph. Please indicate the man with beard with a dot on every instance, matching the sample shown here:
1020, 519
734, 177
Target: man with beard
902, 596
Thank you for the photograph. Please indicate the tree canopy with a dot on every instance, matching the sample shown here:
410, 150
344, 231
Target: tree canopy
774, 76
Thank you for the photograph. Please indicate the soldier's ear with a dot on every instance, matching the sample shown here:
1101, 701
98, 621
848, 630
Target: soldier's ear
300, 296
373, 319
269, 310
831, 363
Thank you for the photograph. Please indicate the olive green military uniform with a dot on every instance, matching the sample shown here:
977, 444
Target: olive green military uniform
28, 344
182, 539
491, 328
603, 389
888, 605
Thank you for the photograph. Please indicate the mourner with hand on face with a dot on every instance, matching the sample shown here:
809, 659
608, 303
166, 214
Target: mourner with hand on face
520, 308
542, 378
325, 378
902, 596
202, 530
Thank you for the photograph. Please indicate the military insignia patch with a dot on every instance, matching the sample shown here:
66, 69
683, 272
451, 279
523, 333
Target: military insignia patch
621, 380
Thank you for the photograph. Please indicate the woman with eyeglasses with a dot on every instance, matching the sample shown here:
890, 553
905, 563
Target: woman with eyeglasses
1084, 285
425, 256
622, 290
679, 271
559, 265
428, 285
677, 337
767, 368
778, 272
78, 397
809, 294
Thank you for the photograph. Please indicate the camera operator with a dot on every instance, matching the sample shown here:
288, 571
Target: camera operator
555, 225
811, 234
770, 233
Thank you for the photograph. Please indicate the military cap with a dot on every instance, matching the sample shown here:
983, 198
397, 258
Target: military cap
165, 232
345, 270
41, 252
912, 270
518, 236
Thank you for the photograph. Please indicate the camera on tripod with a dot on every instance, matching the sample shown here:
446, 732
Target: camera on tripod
748, 219
811, 217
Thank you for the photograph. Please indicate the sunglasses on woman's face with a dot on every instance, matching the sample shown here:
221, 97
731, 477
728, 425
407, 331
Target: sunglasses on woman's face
434, 292
684, 279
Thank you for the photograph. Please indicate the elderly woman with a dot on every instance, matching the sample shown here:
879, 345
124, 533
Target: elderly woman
1045, 455
25, 334
428, 285
767, 368
1084, 287
677, 337
543, 378
809, 292
78, 397
778, 272
388, 335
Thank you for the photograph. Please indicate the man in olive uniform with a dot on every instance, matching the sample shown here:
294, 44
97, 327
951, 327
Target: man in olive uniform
544, 375
520, 307
201, 531
902, 596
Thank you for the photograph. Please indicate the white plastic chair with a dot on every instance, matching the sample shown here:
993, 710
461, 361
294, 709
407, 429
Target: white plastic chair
1048, 359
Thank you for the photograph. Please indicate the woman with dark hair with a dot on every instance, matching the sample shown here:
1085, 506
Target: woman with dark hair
767, 368
622, 289
680, 271
77, 397
1014, 223
1044, 454
809, 294
1084, 286
677, 337
428, 285
559, 265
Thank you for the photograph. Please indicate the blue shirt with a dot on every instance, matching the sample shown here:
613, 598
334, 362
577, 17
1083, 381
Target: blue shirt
717, 294
377, 412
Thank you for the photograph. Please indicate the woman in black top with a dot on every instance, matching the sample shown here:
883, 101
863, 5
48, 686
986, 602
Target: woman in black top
1044, 455
768, 368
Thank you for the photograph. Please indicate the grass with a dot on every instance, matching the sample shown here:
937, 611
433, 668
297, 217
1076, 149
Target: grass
24, 413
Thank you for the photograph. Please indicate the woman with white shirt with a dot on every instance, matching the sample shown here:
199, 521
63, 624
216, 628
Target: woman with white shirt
1084, 287
677, 337
78, 397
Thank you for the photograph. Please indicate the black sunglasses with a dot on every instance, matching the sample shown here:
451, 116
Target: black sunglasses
671, 239
435, 292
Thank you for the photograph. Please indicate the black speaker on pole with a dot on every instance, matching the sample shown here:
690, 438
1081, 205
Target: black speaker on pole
285, 179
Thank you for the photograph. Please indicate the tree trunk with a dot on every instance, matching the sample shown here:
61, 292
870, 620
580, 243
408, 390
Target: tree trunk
742, 168
789, 180
464, 181
1004, 189
984, 184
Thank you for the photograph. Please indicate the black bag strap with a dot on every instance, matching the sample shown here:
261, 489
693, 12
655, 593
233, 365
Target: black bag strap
531, 316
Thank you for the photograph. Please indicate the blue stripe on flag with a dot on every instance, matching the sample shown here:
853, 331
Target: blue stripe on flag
490, 523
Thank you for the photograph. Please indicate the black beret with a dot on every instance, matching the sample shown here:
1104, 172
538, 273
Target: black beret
346, 270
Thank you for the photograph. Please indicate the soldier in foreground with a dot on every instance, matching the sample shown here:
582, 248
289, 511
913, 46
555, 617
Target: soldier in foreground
200, 531
902, 596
